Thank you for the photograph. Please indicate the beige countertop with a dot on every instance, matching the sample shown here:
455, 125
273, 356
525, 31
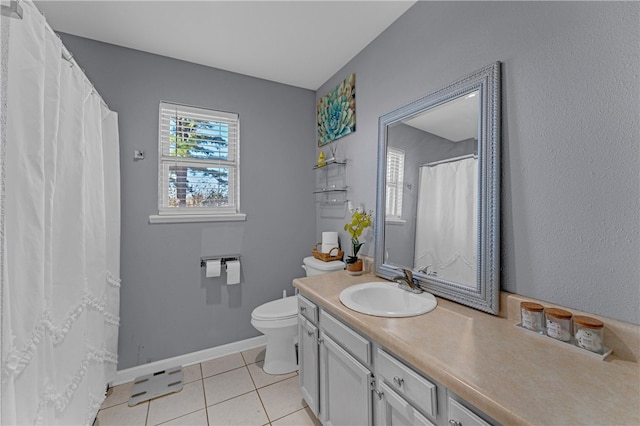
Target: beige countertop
511, 374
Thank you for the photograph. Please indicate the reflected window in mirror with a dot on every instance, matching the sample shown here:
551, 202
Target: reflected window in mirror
395, 184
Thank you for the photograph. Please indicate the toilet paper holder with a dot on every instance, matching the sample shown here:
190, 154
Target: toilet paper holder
223, 259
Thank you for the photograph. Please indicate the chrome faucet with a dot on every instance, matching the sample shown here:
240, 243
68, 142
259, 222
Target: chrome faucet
407, 282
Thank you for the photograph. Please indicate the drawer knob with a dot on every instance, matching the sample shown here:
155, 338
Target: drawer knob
303, 308
398, 381
309, 333
453, 422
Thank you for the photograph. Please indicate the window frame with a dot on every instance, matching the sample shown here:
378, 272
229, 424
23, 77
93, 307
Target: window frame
168, 214
397, 185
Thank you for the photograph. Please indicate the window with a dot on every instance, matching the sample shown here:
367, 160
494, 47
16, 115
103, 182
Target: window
395, 182
198, 165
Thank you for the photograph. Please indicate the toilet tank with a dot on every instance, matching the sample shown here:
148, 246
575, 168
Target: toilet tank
315, 266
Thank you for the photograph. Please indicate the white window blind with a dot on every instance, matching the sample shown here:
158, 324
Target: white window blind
395, 182
198, 161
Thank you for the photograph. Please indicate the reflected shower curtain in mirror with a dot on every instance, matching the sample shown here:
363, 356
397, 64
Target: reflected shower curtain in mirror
446, 221
60, 232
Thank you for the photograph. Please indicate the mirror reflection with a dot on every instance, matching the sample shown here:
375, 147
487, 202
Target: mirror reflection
432, 174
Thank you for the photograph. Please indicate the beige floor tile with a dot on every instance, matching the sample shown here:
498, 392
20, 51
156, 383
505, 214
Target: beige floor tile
227, 385
118, 395
123, 415
199, 418
251, 356
262, 379
191, 373
222, 364
242, 410
282, 398
172, 406
302, 417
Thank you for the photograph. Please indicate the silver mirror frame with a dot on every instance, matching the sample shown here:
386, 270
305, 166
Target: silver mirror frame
486, 295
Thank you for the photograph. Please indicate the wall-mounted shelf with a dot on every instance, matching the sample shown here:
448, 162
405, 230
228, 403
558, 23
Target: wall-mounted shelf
330, 162
330, 189
332, 182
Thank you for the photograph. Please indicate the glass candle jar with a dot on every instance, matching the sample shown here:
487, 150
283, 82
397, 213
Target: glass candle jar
589, 333
558, 324
531, 316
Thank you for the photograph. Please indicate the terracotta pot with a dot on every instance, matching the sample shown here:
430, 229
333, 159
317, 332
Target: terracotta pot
355, 267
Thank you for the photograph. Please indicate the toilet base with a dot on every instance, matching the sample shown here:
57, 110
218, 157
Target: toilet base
280, 356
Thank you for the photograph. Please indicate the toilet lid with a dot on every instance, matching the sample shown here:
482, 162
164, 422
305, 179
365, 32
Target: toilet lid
286, 307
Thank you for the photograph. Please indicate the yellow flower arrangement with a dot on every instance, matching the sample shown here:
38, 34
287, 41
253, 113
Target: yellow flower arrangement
360, 220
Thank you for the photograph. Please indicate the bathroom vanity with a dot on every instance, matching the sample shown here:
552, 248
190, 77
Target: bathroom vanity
454, 365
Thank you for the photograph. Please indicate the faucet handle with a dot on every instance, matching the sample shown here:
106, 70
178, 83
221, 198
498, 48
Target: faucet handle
408, 273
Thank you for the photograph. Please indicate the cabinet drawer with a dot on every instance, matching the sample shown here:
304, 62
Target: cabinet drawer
357, 345
308, 309
408, 383
461, 416
395, 410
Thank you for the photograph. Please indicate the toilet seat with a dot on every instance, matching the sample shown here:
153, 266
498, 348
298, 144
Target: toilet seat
277, 310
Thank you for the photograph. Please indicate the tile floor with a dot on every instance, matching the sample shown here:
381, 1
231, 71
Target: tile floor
232, 390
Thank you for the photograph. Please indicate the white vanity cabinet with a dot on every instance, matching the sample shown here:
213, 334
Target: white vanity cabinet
403, 396
393, 410
335, 380
308, 367
348, 380
459, 415
345, 386
345, 377
308, 372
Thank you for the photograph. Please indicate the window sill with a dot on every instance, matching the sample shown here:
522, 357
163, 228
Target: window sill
192, 218
394, 221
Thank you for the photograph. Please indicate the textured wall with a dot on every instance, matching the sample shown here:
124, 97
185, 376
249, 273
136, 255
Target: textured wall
168, 308
570, 189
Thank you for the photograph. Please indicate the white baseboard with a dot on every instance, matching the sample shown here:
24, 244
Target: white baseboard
129, 374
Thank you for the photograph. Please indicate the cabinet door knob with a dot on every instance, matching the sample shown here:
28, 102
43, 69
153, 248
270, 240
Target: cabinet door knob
309, 333
453, 422
398, 381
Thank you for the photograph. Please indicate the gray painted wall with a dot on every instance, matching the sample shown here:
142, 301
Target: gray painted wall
570, 190
168, 307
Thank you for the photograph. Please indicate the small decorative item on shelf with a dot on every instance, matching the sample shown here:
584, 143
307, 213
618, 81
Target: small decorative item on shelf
532, 316
321, 162
589, 333
360, 221
558, 324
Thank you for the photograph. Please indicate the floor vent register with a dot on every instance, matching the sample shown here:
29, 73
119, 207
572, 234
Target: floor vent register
156, 384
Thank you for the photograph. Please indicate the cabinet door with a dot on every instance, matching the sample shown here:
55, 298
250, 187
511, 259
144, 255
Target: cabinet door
393, 410
308, 362
345, 393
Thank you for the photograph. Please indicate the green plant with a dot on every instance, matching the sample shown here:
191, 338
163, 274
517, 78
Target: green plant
360, 220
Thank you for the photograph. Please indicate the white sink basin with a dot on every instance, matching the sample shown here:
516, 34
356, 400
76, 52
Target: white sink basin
384, 299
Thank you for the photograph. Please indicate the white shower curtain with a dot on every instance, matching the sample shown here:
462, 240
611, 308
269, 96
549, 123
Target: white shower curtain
60, 231
446, 229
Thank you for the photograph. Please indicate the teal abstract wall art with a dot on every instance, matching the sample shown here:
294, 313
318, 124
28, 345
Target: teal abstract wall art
337, 112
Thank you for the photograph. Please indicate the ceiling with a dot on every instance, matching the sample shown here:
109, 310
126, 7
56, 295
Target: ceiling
300, 43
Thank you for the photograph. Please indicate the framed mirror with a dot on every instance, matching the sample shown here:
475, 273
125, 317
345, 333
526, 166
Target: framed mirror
438, 191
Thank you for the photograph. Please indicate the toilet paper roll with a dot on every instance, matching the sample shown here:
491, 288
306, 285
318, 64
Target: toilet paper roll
330, 238
326, 248
233, 272
213, 268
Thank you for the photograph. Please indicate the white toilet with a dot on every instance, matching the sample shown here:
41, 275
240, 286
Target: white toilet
278, 320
